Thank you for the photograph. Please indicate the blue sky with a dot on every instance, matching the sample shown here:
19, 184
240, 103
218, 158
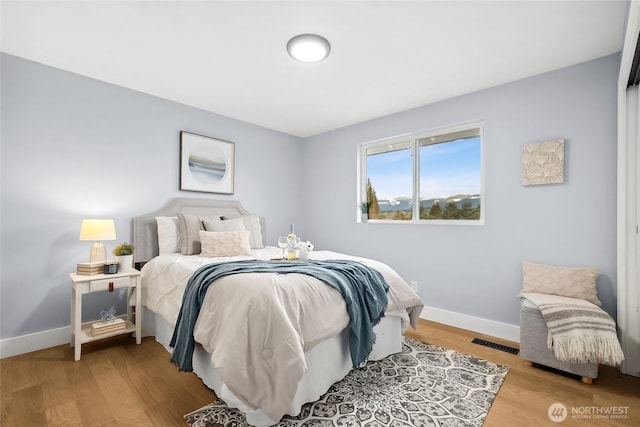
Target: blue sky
446, 169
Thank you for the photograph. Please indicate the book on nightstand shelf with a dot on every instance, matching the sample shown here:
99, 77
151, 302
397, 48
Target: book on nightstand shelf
104, 327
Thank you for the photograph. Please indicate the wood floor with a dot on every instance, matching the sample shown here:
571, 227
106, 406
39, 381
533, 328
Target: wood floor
119, 383
527, 393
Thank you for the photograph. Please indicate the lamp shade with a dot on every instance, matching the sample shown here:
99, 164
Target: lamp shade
97, 229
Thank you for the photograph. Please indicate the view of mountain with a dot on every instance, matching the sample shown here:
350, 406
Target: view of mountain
405, 203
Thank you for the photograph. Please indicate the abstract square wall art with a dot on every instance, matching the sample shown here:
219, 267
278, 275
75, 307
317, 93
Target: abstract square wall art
543, 162
206, 164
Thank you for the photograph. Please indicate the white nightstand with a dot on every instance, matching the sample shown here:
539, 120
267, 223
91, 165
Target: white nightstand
81, 284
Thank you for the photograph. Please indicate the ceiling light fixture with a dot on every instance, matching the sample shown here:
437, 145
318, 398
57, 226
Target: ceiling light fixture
308, 48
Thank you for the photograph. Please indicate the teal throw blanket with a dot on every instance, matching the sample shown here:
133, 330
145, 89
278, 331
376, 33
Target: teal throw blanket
363, 289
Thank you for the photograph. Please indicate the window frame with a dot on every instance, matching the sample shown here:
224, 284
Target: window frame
415, 147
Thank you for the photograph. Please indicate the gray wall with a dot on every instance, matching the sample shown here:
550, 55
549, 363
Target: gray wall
73, 148
476, 270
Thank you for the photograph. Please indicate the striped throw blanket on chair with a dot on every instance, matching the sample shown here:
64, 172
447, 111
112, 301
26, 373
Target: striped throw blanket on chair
579, 331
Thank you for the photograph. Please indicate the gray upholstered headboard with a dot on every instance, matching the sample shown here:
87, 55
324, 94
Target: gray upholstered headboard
145, 228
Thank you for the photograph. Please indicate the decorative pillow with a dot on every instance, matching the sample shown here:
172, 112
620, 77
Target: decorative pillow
168, 234
235, 224
225, 243
190, 225
572, 282
251, 223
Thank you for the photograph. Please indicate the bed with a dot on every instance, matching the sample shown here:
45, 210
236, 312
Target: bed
264, 378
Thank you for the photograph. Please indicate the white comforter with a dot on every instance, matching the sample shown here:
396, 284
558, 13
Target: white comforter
267, 321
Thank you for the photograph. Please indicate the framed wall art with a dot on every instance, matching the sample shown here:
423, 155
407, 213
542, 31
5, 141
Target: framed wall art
543, 162
206, 164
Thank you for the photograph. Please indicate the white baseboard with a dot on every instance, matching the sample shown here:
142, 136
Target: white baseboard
471, 323
53, 337
36, 341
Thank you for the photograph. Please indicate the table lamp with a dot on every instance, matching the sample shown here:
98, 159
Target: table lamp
96, 230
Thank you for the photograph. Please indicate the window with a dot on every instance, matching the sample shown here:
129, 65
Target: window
433, 177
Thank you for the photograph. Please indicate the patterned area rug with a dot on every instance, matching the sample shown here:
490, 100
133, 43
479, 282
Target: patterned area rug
424, 385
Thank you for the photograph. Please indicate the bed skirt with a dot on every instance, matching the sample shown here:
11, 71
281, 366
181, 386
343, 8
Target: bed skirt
327, 363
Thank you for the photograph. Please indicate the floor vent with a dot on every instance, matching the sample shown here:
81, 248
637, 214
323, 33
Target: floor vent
500, 347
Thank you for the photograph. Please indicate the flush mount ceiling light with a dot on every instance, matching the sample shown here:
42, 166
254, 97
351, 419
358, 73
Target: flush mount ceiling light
308, 48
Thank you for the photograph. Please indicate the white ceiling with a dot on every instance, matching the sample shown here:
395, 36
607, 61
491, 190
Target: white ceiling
229, 57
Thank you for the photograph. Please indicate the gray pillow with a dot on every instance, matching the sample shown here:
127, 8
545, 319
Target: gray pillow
235, 224
190, 226
251, 223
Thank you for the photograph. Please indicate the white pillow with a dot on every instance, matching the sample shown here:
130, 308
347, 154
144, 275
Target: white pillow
572, 282
224, 243
252, 223
168, 234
